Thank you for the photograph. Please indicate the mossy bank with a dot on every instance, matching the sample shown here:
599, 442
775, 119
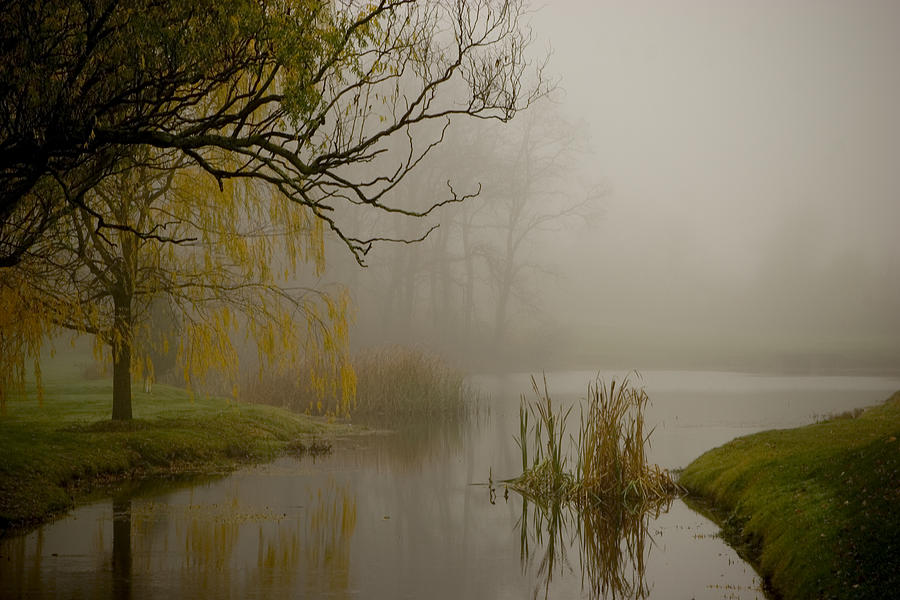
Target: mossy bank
817, 508
52, 455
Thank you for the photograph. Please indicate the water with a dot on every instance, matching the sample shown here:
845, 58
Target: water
398, 516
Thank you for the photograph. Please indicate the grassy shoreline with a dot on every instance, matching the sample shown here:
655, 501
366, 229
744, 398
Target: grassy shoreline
816, 509
55, 455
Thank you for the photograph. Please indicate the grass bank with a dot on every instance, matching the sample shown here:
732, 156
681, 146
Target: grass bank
817, 508
55, 454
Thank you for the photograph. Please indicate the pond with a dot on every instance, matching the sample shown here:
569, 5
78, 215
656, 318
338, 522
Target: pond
408, 515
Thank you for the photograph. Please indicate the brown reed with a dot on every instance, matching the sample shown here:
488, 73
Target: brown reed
610, 450
391, 382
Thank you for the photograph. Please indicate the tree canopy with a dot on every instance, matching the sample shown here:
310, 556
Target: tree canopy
292, 93
234, 280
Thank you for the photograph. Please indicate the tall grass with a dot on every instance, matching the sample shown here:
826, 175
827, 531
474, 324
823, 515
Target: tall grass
392, 382
610, 456
612, 445
397, 381
605, 502
544, 475
288, 389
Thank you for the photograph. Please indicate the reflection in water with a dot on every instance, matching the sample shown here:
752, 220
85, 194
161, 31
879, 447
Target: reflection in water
398, 517
309, 551
605, 503
331, 524
231, 548
417, 442
121, 553
612, 541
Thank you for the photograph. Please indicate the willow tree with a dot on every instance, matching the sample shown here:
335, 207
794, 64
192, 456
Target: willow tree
21, 337
227, 274
288, 99
293, 93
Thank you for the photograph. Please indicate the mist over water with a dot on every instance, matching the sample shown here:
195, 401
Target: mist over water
708, 200
411, 514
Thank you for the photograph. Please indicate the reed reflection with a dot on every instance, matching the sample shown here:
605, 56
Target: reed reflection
603, 505
612, 541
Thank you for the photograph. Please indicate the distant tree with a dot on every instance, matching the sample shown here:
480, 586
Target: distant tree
233, 276
465, 286
533, 192
293, 94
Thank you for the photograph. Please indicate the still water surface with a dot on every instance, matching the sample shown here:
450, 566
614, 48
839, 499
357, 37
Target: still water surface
398, 516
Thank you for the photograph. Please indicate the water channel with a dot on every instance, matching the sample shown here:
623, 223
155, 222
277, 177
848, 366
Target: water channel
406, 515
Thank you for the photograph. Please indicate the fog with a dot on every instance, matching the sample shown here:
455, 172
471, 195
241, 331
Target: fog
733, 170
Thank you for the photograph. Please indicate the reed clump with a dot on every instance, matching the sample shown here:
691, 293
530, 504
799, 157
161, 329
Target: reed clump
609, 451
398, 381
391, 382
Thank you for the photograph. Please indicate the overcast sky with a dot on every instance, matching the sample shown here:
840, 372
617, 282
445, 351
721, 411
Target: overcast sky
752, 153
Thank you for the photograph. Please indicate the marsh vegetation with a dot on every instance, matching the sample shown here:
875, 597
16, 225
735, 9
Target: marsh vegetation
404, 381
609, 462
603, 503
389, 383
394, 515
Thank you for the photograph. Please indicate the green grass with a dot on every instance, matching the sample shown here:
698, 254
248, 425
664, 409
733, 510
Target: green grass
53, 454
816, 508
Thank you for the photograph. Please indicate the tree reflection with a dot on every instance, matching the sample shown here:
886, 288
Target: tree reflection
417, 442
121, 552
332, 522
611, 541
242, 549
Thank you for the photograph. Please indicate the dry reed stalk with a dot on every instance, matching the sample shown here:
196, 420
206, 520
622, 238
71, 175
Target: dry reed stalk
610, 450
392, 381
609, 496
400, 381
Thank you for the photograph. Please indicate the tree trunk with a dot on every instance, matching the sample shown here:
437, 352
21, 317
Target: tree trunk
500, 314
121, 350
122, 381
